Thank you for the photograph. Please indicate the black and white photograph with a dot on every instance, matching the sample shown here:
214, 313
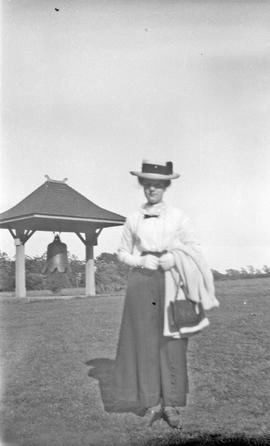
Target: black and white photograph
135, 222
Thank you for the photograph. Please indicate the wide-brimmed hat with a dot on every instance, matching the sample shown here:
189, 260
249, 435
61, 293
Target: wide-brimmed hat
156, 171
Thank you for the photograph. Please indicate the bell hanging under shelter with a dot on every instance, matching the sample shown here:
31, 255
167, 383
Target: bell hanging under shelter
57, 258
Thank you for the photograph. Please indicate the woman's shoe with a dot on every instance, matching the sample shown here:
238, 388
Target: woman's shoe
172, 416
153, 414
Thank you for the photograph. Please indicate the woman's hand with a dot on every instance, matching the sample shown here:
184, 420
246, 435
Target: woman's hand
149, 261
166, 261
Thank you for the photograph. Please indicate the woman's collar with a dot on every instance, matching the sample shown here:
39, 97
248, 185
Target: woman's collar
153, 209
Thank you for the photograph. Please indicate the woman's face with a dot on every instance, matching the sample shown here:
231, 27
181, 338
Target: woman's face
154, 190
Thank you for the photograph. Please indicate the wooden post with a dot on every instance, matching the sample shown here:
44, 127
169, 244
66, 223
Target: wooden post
20, 289
90, 241
90, 288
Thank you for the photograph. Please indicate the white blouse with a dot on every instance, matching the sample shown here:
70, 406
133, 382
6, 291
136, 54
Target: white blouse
153, 234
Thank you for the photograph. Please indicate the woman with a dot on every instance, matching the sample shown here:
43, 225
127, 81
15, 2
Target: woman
151, 364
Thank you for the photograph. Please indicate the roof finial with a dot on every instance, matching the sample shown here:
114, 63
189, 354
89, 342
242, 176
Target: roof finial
55, 181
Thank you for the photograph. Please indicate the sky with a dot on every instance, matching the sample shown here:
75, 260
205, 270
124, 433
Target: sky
90, 90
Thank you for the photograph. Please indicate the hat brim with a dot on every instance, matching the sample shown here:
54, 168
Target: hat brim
155, 176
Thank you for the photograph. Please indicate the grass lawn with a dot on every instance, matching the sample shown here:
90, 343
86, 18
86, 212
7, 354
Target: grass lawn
57, 358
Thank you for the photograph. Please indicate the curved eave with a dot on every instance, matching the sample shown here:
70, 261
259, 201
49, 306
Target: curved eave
38, 222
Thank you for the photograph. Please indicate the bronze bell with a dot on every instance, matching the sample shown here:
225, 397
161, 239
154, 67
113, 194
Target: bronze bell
57, 259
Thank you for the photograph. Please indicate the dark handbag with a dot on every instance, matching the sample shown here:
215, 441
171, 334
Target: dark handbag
185, 313
186, 316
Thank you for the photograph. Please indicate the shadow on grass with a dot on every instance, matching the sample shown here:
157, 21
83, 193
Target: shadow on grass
208, 439
102, 370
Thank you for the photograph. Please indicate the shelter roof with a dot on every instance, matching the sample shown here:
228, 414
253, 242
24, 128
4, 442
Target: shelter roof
55, 206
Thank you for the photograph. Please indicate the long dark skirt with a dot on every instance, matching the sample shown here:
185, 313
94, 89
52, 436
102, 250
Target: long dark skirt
150, 368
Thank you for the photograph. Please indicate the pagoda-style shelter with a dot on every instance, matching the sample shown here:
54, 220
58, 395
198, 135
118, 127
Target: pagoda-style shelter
57, 207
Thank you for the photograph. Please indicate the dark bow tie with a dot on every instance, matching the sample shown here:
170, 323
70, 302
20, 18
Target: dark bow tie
150, 216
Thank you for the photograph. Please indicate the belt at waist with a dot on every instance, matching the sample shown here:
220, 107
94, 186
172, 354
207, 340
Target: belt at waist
154, 253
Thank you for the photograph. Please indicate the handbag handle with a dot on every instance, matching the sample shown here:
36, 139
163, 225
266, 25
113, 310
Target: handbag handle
180, 284
184, 288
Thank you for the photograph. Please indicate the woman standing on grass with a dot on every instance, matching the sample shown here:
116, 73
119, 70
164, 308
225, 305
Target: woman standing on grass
151, 363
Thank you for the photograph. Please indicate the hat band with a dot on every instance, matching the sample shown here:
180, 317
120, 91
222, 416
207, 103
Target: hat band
157, 168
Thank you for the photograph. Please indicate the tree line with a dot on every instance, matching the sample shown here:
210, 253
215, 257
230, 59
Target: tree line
110, 275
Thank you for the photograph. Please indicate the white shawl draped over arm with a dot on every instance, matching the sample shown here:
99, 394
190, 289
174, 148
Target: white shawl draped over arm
192, 269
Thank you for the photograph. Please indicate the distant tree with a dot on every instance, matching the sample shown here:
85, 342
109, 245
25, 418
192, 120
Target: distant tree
35, 281
217, 275
56, 281
7, 272
35, 264
233, 273
111, 274
107, 257
243, 272
266, 269
251, 270
77, 271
